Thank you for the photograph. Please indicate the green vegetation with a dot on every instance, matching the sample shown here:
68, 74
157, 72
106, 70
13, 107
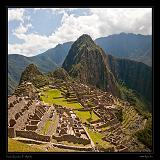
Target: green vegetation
104, 128
90, 104
145, 135
97, 139
46, 127
119, 115
54, 96
135, 99
86, 117
60, 73
16, 146
40, 81
32, 74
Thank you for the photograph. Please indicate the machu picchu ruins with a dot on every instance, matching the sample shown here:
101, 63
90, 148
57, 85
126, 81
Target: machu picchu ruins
31, 118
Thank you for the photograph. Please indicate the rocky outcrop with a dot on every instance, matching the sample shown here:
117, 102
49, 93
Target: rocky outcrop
60, 73
88, 62
135, 75
33, 75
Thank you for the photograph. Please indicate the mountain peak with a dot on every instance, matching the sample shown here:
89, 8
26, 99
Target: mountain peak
32, 68
84, 39
85, 36
30, 71
87, 62
33, 75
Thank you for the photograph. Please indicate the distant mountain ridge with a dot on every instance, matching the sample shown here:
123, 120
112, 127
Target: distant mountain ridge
131, 46
53, 58
88, 62
46, 62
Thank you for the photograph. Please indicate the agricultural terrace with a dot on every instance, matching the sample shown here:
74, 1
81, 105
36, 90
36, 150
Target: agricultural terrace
54, 96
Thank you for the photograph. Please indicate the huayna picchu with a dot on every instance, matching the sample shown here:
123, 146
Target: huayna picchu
88, 62
91, 104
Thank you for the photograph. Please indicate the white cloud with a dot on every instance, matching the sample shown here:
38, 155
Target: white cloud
16, 14
22, 29
116, 20
99, 23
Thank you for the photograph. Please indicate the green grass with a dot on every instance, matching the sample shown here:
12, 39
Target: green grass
46, 127
141, 105
86, 117
53, 96
104, 128
97, 139
16, 146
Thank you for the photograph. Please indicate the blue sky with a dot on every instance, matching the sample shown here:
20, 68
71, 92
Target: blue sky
32, 31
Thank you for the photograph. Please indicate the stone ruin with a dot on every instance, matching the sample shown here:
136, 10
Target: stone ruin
70, 127
26, 89
24, 116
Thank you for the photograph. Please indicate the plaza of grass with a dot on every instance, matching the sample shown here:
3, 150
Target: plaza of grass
54, 96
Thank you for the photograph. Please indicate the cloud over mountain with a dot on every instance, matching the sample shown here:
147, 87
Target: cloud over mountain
71, 23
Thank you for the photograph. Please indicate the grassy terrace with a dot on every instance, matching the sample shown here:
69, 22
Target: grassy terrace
86, 117
46, 127
97, 139
54, 96
15, 146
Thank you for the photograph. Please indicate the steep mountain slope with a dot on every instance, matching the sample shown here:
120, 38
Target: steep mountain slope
135, 75
46, 62
57, 54
135, 47
33, 75
60, 73
87, 62
131, 46
16, 65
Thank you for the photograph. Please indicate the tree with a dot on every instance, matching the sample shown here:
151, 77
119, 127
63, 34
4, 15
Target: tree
91, 111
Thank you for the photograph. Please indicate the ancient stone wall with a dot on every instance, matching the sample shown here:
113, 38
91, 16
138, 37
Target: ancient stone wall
96, 121
103, 125
33, 135
31, 127
72, 138
34, 122
11, 132
73, 147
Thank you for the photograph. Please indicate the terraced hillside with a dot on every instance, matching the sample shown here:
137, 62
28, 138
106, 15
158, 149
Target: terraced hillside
70, 116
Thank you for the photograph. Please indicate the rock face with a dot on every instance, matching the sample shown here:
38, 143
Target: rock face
135, 75
60, 73
33, 75
88, 62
